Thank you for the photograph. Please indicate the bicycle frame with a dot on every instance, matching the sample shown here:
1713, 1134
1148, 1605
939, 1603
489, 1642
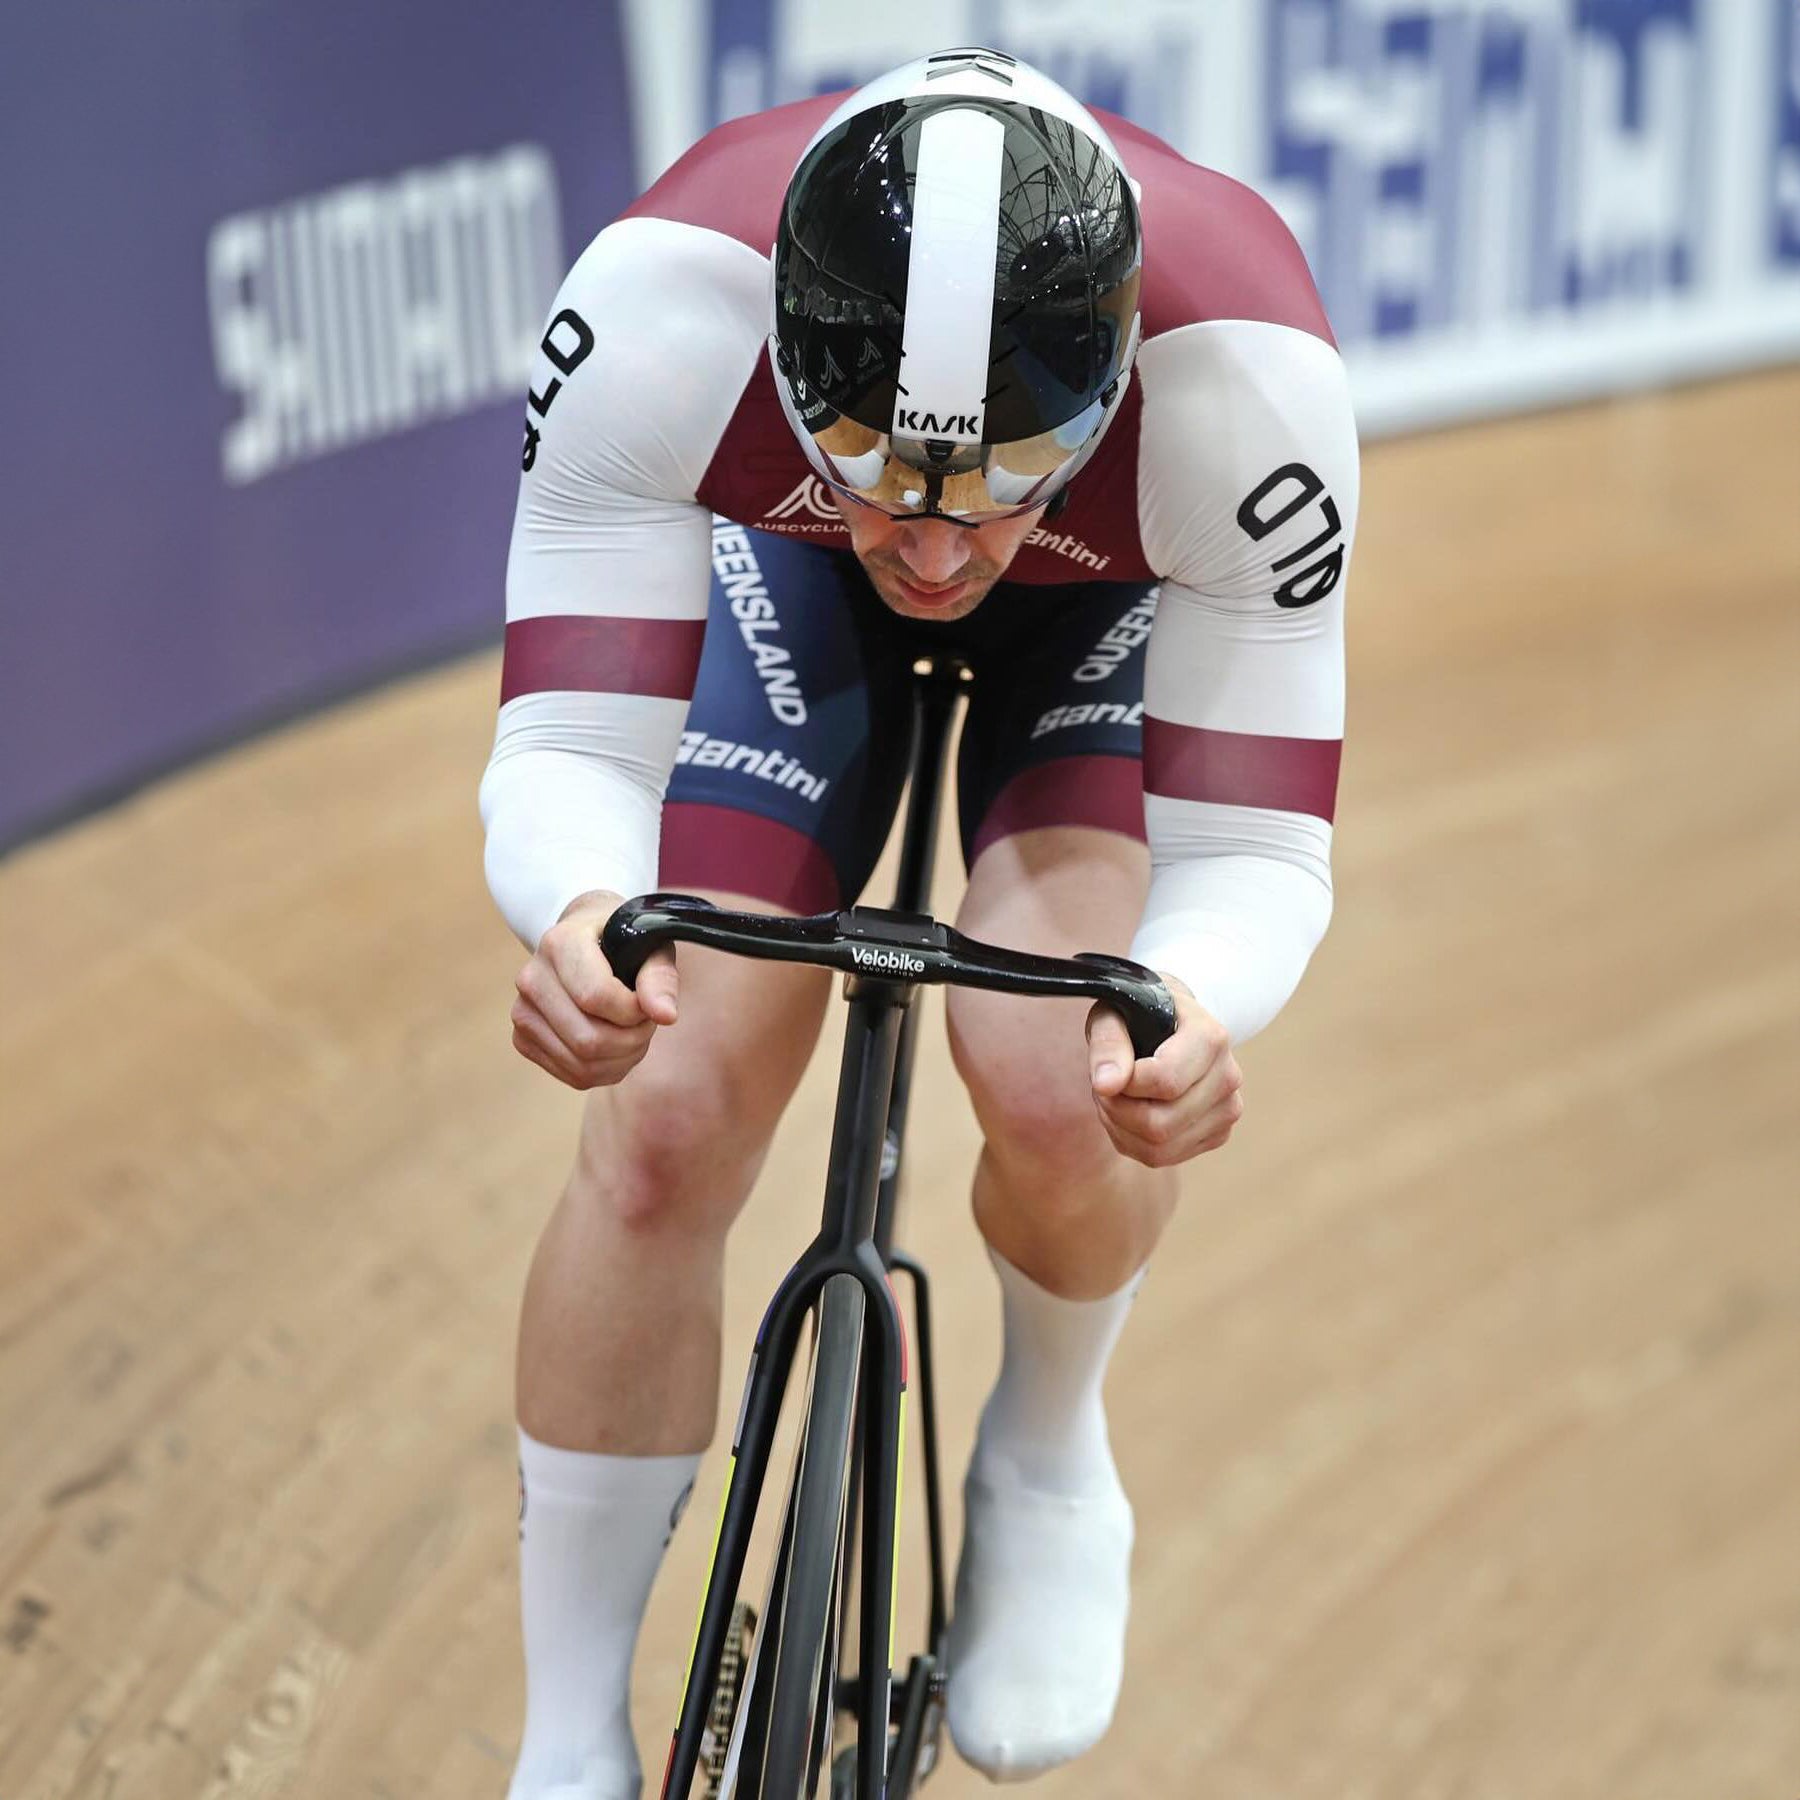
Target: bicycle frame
886, 955
861, 1199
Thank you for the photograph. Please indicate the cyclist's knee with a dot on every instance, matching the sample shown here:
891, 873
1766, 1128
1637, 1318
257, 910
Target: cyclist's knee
676, 1145
1025, 1066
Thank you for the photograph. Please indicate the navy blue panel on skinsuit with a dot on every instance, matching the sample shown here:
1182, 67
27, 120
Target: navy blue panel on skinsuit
794, 756
772, 790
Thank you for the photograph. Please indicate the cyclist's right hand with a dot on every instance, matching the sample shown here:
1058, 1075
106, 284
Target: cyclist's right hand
573, 1016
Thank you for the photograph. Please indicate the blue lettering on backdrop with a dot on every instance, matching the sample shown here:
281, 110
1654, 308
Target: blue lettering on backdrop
1444, 164
739, 66
755, 64
1784, 218
1447, 165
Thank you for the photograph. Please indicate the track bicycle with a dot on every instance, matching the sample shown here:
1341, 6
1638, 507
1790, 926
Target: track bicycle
799, 1702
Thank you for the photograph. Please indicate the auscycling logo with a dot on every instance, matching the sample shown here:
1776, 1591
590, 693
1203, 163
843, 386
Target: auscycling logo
892, 962
809, 502
811, 496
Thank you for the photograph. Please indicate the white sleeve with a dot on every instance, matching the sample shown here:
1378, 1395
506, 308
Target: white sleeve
649, 345
1248, 484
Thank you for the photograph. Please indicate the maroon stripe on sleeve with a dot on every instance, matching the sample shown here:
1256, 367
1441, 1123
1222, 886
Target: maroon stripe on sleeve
1104, 792
1241, 768
601, 656
732, 852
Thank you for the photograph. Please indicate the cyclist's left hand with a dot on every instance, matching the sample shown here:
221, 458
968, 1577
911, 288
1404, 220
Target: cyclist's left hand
1163, 1109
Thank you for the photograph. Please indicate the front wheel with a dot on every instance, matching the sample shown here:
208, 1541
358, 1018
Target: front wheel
800, 1710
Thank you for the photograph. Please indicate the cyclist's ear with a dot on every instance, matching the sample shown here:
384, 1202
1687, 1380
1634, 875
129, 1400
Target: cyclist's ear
658, 986
1110, 1055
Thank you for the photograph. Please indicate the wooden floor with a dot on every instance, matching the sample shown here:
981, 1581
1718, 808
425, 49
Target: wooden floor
1462, 1410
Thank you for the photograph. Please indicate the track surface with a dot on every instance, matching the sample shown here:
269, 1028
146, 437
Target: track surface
1462, 1410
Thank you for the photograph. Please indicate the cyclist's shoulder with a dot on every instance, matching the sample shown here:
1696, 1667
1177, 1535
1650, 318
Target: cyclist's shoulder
642, 273
690, 254
670, 301
732, 180
1214, 248
653, 336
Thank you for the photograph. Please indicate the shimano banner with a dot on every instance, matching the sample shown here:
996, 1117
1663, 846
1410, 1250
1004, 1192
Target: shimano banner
1505, 202
273, 280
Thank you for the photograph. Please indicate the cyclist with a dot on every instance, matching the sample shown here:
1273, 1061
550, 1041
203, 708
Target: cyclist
1012, 382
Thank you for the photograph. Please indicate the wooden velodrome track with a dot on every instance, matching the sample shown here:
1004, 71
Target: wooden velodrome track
1462, 1410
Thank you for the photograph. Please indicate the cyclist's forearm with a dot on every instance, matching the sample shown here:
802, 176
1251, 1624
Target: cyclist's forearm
561, 826
1238, 929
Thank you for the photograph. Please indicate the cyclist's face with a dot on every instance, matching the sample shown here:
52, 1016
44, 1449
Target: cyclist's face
928, 568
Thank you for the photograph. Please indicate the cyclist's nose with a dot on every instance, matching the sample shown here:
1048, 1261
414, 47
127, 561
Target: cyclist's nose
934, 551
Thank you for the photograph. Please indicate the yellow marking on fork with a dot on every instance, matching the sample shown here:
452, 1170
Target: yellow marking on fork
894, 1581
711, 1563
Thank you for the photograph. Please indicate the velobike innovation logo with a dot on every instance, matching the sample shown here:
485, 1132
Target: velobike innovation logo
887, 962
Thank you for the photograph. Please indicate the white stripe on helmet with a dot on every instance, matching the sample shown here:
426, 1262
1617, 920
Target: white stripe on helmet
932, 78
950, 277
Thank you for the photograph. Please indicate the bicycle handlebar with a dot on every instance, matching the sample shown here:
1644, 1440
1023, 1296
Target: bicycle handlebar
894, 946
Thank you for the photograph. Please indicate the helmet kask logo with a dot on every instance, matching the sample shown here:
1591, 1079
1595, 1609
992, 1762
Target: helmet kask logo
930, 424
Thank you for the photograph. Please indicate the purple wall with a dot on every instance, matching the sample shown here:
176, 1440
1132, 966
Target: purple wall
272, 276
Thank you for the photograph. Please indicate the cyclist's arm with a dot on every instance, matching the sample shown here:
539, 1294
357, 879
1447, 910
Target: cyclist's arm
1248, 491
606, 581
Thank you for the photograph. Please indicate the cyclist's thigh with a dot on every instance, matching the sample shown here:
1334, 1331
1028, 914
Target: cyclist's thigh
787, 776
1051, 890
1055, 730
1050, 782
795, 747
695, 1117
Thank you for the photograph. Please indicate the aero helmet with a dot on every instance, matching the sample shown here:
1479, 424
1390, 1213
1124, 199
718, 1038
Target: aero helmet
956, 278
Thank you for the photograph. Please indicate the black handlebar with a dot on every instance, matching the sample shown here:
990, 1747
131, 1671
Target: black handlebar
889, 946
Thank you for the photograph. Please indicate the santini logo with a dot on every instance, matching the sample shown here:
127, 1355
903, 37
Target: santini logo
895, 962
930, 424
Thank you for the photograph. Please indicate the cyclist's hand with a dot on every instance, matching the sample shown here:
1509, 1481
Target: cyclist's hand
1164, 1109
574, 1016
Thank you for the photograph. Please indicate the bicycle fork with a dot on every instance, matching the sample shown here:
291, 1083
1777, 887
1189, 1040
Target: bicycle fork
844, 1246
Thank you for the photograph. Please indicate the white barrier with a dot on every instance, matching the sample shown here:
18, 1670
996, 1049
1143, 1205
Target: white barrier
1507, 203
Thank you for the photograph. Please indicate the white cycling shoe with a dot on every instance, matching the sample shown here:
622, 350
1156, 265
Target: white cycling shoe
1037, 1640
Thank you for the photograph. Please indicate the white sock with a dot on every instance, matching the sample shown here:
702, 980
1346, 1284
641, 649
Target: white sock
1044, 1426
592, 1530
1037, 1636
